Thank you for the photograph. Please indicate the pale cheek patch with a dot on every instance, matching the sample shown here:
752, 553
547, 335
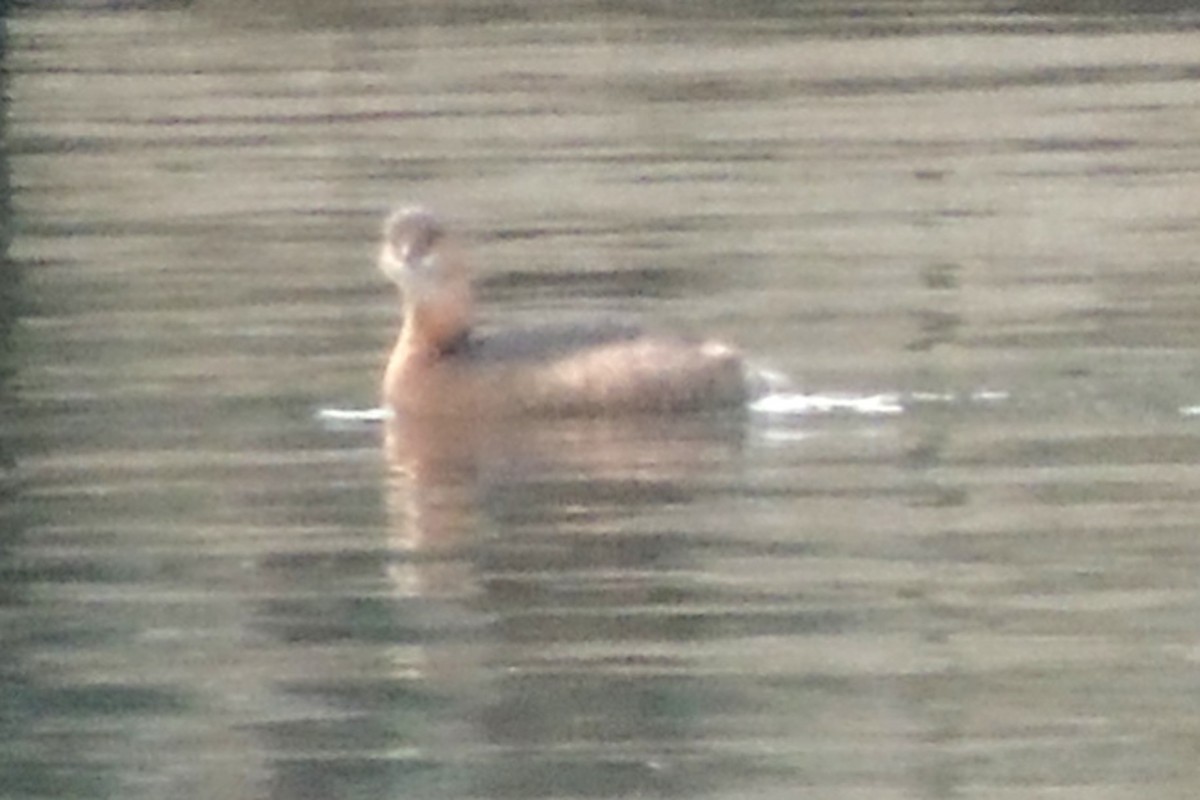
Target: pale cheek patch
717, 350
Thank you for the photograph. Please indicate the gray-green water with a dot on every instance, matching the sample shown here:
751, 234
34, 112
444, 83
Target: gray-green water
208, 592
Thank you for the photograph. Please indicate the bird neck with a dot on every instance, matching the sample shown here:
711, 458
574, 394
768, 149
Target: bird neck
435, 327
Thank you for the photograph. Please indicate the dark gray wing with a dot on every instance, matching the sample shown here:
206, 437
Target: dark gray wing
539, 342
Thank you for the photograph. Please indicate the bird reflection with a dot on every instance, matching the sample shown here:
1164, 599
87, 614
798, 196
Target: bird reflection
537, 547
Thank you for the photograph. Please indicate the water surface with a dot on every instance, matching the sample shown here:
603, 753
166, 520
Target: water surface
987, 219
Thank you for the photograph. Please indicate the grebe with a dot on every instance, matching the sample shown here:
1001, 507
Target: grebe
441, 366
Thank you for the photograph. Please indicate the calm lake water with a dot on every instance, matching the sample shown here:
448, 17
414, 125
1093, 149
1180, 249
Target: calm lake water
978, 577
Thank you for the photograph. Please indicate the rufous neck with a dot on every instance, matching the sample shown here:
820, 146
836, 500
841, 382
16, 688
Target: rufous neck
431, 329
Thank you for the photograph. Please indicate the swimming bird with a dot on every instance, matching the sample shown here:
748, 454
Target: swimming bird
442, 365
